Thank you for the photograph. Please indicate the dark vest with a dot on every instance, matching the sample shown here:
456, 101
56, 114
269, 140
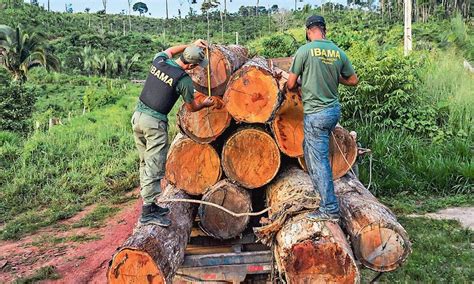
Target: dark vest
159, 92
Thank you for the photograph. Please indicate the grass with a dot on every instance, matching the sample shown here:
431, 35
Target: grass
419, 204
442, 253
97, 217
44, 273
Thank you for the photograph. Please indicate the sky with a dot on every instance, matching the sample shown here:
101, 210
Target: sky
157, 7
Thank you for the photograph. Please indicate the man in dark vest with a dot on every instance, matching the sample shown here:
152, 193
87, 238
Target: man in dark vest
166, 82
322, 66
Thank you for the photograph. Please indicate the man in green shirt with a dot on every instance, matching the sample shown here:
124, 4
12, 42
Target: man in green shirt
322, 67
167, 80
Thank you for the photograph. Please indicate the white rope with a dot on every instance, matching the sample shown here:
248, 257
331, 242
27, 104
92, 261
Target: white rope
215, 205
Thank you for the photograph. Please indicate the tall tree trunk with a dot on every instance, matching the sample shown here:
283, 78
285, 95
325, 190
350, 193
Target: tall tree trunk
166, 9
407, 47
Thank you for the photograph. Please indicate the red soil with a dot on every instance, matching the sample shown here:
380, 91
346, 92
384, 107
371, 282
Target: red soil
75, 262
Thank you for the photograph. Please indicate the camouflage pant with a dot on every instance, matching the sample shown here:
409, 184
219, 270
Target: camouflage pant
151, 139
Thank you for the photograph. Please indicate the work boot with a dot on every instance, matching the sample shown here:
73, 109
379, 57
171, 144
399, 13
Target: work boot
322, 216
154, 214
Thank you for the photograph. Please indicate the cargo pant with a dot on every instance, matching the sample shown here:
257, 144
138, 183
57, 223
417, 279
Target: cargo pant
151, 139
317, 129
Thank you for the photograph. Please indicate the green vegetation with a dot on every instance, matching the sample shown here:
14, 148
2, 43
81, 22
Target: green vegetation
44, 273
96, 218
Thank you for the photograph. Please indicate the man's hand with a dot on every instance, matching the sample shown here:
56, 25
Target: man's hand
200, 43
352, 80
209, 101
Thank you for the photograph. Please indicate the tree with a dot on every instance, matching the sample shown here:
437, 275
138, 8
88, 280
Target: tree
282, 18
130, 15
205, 7
104, 3
20, 52
141, 7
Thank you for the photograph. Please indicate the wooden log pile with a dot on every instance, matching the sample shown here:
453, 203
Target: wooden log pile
254, 142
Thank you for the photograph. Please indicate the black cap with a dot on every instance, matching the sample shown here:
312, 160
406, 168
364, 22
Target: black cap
315, 20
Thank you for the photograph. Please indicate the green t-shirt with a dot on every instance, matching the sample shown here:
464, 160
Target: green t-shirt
320, 63
184, 88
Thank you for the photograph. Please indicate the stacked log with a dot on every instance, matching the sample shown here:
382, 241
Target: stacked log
152, 254
307, 251
379, 241
251, 157
268, 130
206, 125
232, 197
192, 166
223, 62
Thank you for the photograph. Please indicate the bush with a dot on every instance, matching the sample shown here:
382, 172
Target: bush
16, 107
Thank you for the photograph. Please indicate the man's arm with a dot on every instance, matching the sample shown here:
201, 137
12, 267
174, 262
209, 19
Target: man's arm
292, 84
198, 103
352, 80
178, 49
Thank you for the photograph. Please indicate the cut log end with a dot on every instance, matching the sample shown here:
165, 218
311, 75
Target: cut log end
342, 153
251, 158
134, 266
252, 95
192, 166
214, 221
205, 125
381, 247
288, 125
325, 262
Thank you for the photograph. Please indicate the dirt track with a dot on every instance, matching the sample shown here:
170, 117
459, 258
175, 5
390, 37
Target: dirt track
76, 262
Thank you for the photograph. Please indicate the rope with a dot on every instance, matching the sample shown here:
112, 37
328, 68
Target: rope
370, 171
342, 153
215, 205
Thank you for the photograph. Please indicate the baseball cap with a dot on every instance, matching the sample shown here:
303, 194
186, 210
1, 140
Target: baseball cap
195, 55
315, 20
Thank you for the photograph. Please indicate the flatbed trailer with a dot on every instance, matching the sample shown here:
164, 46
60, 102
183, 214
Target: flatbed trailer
240, 260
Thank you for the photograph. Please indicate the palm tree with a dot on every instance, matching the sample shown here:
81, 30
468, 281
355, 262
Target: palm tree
20, 52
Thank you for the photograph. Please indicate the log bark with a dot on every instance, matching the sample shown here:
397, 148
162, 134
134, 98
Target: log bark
223, 62
250, 157
306, 251
217, 223
342, 152
287, 122
152, 254
191, 166
252, 94
205, 125
379, 241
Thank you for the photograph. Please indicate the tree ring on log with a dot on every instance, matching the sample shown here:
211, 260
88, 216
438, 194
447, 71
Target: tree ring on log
191, 166
134, 266
205, 125
381, 247
214, 221
287, 126
251, 158
252, 93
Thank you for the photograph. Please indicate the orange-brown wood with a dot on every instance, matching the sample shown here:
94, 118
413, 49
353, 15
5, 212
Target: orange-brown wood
379, 241
306, 251
252, 94
223, 62
134, 266
153, 254
251, 157
192, 166
342, 152
205, 125
217, 223
287, 126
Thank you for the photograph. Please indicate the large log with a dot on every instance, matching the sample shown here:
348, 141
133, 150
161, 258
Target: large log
205, 125
252, 94
192, 166
250, 157
224, 61
342, 152
217, 223
306, 251
287, 123
379, 241
152, 254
